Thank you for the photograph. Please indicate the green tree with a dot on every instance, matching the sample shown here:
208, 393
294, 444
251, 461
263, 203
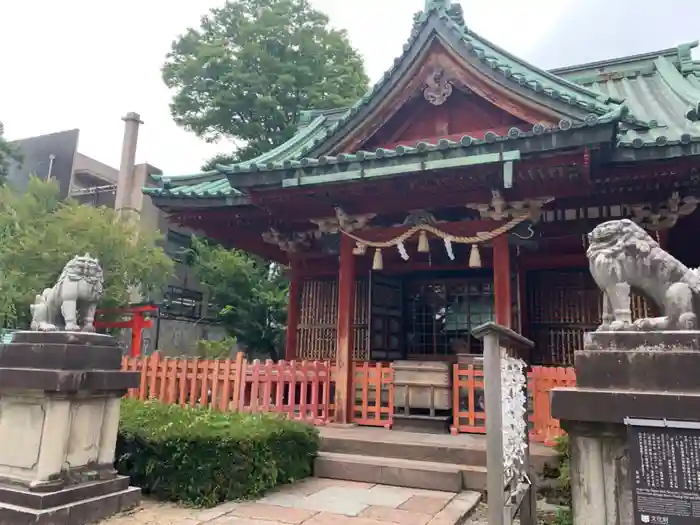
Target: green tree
8, 154
253, 65
39, 234
251, 296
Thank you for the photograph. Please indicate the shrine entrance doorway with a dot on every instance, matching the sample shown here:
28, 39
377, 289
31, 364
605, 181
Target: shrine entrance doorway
428, 316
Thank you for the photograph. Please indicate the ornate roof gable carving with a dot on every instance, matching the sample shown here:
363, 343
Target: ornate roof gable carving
438, 87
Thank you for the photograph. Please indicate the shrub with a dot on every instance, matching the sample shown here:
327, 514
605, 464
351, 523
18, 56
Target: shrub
202, 457
216, 349
562, 449
564, 517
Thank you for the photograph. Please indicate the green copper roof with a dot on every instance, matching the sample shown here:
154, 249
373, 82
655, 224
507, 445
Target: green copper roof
662, 88
631, 94
215, 185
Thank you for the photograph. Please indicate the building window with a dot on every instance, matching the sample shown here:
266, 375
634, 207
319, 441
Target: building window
181, 302
441, 313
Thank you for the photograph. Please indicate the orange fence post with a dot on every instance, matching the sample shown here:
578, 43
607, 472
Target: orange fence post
374, 389
541, 380
470, 418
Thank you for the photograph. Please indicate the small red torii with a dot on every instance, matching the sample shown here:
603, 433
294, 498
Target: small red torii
140, 317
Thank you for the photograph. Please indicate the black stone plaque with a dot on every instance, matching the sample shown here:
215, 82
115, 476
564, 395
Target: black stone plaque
665, 471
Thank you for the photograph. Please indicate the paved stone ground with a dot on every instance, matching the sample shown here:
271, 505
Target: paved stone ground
318, 502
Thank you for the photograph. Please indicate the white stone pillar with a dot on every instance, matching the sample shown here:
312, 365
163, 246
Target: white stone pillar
587, 480
126, 183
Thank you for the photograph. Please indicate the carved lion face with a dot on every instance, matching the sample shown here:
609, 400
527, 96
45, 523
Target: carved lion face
618, 234
83, 266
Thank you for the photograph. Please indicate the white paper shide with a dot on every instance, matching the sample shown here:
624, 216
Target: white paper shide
514, 406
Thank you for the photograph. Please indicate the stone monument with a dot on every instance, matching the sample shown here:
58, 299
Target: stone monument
60, 391
634, 417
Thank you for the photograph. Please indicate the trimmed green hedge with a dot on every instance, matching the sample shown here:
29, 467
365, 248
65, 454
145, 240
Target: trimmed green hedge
202, 457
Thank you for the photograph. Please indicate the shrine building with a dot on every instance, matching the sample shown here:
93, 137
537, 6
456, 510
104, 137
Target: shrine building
459, 190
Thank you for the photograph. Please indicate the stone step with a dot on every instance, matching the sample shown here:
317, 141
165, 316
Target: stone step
464, 449
400, 472
405, 449
90, 510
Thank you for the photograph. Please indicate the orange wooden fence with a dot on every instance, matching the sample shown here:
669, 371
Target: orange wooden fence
299, 389
469, 415
541, 380
304, 390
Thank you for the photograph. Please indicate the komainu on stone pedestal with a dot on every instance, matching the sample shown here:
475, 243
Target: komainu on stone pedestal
72, 302
622, 256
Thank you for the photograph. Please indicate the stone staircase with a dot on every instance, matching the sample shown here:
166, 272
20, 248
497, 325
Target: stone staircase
416, 460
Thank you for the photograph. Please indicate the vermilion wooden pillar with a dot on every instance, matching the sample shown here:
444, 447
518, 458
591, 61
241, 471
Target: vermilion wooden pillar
346, 301
501, 281
290, 346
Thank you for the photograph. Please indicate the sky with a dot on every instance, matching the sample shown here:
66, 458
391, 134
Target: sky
85, 63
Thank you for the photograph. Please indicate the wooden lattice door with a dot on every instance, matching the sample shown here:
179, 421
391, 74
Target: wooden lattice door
318, 320
386, 318
562, 306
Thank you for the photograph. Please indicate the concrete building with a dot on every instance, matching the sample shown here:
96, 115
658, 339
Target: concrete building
184, 316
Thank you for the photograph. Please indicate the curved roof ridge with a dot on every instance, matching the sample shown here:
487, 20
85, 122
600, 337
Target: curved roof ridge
604, 99
193, 178
188, 177
269, 156
680, 86
596, 64
282, 150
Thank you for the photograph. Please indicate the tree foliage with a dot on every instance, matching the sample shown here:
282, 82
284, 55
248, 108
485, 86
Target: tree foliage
8, 154
250, 294
253, 65
39, 234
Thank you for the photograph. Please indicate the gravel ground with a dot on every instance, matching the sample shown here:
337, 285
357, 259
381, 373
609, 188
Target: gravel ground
478, 517
544, 510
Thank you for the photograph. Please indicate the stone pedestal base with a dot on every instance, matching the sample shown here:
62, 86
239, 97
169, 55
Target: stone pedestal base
60, 397
74, 505
646, 376
601, 488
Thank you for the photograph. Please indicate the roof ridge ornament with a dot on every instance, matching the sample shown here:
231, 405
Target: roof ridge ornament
453, 10
438, 87
437, 4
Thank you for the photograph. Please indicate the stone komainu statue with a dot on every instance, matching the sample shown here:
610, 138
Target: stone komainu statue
72, 302
622, 256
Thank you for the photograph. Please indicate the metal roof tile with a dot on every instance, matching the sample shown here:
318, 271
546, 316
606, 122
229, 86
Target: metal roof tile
663, 98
